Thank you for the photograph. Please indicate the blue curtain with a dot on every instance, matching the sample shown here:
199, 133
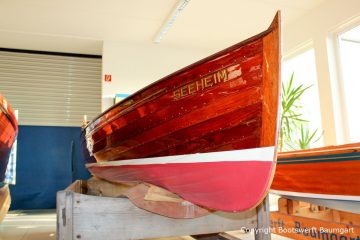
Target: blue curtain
48, 160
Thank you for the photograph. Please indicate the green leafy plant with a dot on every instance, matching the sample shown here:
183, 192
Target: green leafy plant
294, 132
307, 137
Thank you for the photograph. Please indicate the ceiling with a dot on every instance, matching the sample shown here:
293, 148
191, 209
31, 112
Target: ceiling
81, 26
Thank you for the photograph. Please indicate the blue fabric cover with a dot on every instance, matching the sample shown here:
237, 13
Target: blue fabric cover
48, 160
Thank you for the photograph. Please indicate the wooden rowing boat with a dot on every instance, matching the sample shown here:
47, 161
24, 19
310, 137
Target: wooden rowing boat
207, 133
328, 176
8, 133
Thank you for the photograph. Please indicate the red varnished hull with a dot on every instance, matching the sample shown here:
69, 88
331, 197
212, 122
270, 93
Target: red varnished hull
198, 181
226, 102
227, 181
8, 133
167, 123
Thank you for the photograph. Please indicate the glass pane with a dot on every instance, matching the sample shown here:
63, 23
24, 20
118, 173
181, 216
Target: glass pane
304, 68
350, 65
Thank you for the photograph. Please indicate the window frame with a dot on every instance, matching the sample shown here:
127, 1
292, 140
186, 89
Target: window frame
337, 80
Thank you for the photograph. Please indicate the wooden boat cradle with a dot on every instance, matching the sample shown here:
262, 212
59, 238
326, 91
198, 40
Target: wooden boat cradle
83, 216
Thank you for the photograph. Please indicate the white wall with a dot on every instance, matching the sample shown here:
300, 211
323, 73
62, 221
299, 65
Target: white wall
134, 66
317, 28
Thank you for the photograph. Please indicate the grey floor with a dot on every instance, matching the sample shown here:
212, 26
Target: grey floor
41, 225
29, 225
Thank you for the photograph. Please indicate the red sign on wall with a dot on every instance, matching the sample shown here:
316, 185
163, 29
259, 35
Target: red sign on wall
107, 78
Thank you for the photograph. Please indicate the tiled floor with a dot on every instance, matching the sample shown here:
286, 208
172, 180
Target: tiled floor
41, 225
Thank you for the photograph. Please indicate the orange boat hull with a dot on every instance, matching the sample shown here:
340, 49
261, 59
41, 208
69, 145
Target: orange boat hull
329, 173
8, 133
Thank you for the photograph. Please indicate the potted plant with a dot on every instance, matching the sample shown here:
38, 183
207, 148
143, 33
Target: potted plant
295, 132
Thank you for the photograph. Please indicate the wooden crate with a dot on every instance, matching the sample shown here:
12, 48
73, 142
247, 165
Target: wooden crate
82, 216
301, 220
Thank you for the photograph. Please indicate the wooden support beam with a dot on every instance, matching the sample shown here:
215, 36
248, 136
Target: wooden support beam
148, 197
215, 236
98, 187
263, 220
283, 205
5, 201
228, 236
212, 236
293, 206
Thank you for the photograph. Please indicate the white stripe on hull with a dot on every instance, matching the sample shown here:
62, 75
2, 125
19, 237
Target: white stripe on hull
253, 154
319, 196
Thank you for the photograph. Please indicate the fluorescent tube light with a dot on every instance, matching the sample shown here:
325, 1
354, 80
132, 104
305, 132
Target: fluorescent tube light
170, 20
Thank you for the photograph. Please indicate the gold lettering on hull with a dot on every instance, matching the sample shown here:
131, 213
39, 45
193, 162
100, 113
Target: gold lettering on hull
202, 83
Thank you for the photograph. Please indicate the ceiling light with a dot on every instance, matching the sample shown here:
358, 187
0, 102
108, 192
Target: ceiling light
170, 20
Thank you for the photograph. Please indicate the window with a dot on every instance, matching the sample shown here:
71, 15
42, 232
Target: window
304, 68
349, 46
